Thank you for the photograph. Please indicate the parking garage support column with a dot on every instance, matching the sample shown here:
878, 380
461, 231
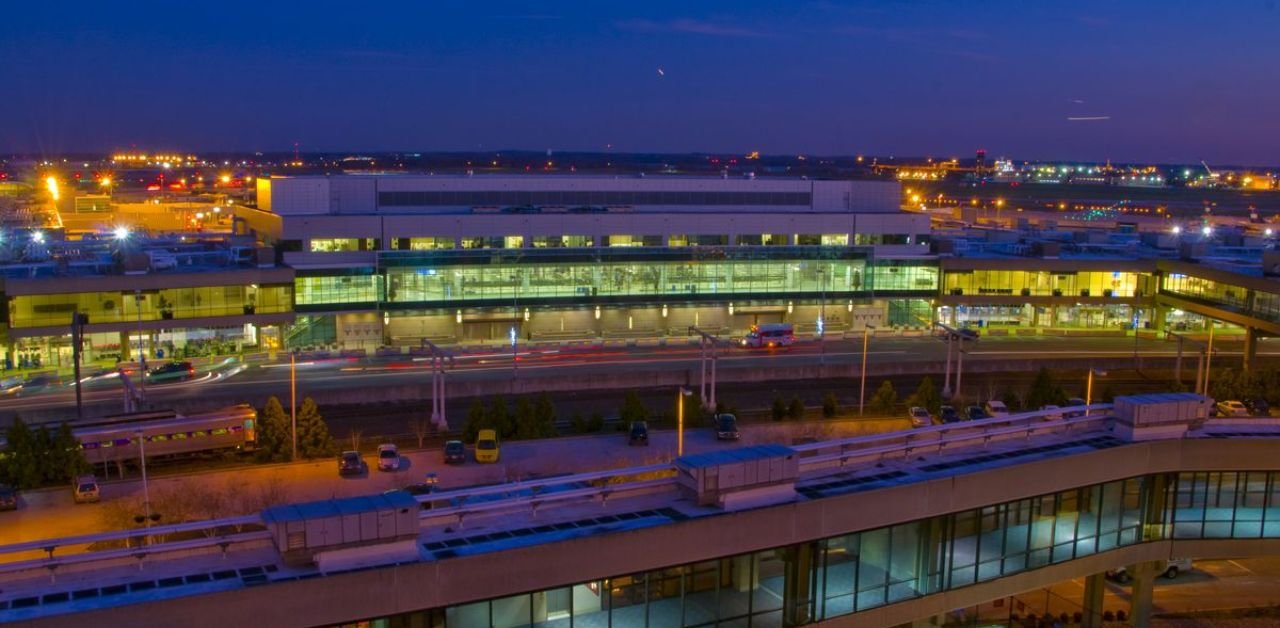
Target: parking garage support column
1144, 575
1250, 347
1095, 586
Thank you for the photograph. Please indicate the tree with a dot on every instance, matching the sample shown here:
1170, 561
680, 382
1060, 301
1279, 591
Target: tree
926, 396
477, 419
275, 437
885, 399
1044, 391
779, 409
1011, 400
525, 425
633, 409
314, 440
499, 418
795, 410
68, 460
420, 426
830, 406
22, 469
544, 413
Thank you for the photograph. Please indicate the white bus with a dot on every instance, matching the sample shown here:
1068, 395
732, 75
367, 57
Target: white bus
770, 335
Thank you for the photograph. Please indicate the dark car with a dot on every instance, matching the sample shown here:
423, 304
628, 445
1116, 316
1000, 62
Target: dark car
975, 413
1258, 407
350, 463
455, 452
171, 372
948, 414
726, 427
8, 497
638, 434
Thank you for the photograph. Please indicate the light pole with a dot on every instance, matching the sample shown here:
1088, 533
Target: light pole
822, 318
515, 323
293, 402
1088, 388
1208, 357
862, 395
684, 392
146, 492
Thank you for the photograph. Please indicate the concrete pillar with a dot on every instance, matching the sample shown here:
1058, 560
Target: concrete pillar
1250, 347
1095, 586
1144, 575
798, 595
1158, 318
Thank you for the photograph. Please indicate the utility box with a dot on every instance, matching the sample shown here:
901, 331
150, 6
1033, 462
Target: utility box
305, 533
746, 477
1162, 415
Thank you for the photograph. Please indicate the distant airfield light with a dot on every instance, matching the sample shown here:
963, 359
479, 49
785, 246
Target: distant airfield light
1177, 230
226, 178
105, 182
1268, 232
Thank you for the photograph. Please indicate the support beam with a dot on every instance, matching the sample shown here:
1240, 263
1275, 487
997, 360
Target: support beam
1144, 575
1250, 348
1095, 586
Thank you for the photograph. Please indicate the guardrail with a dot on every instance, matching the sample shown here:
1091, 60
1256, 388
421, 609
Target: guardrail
140, 535
878, 447
536, 491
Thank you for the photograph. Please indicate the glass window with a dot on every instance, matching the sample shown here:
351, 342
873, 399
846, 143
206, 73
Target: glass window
512, 612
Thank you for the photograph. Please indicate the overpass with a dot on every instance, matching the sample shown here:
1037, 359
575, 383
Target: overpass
869, 531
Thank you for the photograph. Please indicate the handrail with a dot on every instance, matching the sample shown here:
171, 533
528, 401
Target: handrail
538, 499
134, 552
48, 545
530, 485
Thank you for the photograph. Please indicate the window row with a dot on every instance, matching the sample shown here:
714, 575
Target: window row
518, 200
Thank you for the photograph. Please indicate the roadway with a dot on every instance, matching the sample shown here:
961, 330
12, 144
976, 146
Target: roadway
230, 381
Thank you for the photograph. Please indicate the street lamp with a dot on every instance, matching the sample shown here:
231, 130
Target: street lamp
862, 396
684, 392
1088, 389
146, 491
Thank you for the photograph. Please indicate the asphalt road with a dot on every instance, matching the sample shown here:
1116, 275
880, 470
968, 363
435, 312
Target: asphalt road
231, 381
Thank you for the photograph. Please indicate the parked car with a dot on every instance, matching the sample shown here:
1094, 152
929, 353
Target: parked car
85, 489
8, 497
948, 414
996, 408
1168, 568
455, 452
919, 416
350, 463
975, 413
171, 372
388, 457
1258, 407
638, 434
726, 427
1051, 412
1232, 408
1074, 402
487, 446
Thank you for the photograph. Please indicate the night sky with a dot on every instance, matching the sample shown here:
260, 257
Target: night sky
1156, 81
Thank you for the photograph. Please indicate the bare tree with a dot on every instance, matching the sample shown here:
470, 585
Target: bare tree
355, 439
421, 428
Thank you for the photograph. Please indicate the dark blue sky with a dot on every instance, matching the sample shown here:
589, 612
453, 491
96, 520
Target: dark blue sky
1179, 81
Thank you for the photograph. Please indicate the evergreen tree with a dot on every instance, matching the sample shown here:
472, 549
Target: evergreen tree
500, 418
46, 466
1044, 391
544, 412
830, 406
525, 424
477, 419
21, 466
778, 411
885, 399
926, 396
795, 411
275, 432
68, 456
314, 440
634, 410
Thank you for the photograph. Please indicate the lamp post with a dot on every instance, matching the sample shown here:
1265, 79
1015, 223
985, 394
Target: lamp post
142, 355
862, 395
1208, 358
293, 402
1088, 388
515, 323
684, 392
146, 492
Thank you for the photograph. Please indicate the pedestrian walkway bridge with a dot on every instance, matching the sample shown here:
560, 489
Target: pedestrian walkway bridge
874, 530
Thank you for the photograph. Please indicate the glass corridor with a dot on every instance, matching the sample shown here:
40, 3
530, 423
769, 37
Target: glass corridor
808, 582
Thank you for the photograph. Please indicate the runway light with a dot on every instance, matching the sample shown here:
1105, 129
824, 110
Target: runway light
121, 233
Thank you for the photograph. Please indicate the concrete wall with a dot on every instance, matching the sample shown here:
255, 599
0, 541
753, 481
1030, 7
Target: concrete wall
349, 597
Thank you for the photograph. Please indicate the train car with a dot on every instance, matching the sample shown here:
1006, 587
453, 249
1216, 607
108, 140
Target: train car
230, 428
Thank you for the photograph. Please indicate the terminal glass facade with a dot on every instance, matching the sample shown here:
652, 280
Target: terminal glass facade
1042, 283
353, 288
149, 305
1257, 303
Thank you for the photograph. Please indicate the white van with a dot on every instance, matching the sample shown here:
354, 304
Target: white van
996, 409
1167, 568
